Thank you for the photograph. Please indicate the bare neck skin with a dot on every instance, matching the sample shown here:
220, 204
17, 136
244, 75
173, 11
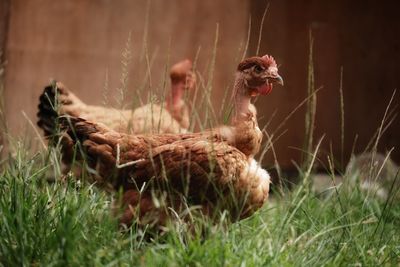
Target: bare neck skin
241, 99
245, 134
174, 101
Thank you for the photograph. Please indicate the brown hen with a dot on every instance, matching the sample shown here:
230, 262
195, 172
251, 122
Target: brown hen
214, 169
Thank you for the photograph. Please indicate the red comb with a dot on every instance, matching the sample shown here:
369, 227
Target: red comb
269, 60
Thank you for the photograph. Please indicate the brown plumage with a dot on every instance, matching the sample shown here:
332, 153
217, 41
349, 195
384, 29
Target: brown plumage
170, 117
213, 169
200, 167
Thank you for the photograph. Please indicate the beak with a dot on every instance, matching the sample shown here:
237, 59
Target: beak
273, 76
276, 78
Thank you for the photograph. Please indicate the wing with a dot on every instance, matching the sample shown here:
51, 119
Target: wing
214, 177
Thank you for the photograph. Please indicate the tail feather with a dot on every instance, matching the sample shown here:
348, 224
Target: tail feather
49, 108
77, 128
48, 114
59, 127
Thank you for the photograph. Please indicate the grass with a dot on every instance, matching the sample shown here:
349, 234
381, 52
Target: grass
69, 224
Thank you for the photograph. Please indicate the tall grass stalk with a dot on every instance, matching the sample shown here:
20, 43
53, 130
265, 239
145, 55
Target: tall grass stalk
208, 106
261, 29
311, 104
106, 89
341, 119
125, 63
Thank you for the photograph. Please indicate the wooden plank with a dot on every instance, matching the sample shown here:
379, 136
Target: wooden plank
4, 18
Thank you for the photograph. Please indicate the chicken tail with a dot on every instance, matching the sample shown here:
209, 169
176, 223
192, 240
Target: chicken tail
49, 104
48, 110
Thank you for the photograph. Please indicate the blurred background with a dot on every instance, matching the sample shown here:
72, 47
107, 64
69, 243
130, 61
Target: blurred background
85, 43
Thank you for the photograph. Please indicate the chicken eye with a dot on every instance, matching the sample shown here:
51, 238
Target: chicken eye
258, 68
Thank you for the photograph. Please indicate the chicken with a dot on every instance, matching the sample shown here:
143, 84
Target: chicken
214, 169
171, 117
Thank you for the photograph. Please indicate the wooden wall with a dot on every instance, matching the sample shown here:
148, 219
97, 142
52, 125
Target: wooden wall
4, 15
82, 42
4, 19
363, 37
78, 42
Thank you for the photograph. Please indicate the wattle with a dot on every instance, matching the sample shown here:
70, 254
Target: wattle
265, 89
